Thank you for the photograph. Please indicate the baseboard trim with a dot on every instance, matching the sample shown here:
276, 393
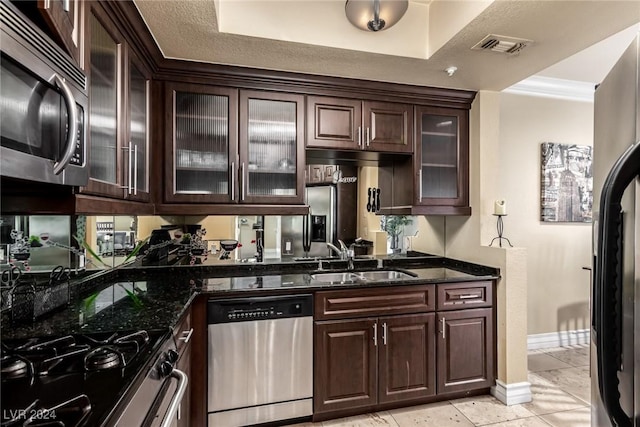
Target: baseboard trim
558, 339
512, 394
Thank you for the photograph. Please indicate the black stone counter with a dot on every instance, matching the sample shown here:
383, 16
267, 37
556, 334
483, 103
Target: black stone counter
155, 297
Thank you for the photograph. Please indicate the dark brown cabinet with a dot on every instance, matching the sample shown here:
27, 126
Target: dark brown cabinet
345, 366
364, 362
371, 361
225, 146
201, 149
460, 369
441, 161
379, 347
436, 180
119, 112
350, 124
407, 357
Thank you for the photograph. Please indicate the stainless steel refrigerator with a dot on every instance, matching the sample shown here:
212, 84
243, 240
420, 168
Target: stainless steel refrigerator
615, 331
308, 235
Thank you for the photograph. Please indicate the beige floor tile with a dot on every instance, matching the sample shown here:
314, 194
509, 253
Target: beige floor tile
483, 410
575, 381
548, 397
574, 418
522, 422
544, 362
376, 419
309, 424
441, 414
574, 356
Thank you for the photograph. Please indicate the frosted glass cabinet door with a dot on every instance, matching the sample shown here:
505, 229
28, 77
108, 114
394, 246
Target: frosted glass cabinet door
104, 99
271, 147
202, 145
136, 150
441, 157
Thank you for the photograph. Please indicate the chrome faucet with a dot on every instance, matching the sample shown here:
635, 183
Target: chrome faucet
335, 249
346, 254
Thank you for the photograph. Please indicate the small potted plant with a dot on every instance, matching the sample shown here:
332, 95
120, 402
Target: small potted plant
394, 226
34, 241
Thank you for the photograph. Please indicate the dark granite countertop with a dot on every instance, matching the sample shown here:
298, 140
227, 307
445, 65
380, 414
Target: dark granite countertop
161, 294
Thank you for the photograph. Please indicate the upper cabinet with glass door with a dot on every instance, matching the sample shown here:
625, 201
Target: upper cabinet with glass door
201, 147
119, 101
136, 147
442, 160
271, 153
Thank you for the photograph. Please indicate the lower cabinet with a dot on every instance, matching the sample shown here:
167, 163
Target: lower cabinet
465, 350
375, 360
380, 360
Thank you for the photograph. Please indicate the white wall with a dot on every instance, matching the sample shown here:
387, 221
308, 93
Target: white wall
558, 288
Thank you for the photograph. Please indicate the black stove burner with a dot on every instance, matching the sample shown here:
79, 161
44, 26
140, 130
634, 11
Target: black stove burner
104, 358
87, 372
15, 366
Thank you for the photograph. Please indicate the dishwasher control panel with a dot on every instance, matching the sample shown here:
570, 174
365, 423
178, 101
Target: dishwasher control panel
259, 308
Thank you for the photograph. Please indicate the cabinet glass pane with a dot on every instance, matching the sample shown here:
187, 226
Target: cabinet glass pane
439, 162
272, 148
138, 125
103, 104
201, 143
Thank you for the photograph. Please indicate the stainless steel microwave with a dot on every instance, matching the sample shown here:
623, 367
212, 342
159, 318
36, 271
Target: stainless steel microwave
43, 106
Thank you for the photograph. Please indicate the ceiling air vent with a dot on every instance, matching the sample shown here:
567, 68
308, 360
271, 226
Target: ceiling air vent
502, 44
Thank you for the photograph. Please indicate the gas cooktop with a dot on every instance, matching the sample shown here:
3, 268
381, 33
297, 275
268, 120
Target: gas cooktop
74, 380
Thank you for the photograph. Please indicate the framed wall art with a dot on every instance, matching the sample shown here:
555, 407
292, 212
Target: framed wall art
566, 182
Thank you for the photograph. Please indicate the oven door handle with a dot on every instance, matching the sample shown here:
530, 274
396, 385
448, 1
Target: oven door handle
183, 380
72, 124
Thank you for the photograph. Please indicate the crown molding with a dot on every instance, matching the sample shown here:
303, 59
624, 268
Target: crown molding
554, 88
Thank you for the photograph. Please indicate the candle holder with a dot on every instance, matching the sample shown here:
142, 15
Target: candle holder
500, 227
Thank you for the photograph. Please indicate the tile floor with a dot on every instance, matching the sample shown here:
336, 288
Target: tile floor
560, 385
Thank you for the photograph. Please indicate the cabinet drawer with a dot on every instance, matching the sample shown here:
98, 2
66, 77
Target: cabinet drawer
183, 332
455, 296
363, 302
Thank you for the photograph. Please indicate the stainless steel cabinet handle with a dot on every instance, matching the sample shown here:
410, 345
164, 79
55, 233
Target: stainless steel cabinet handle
468, 296
444, 326
244, 181
359, 136
128, 188
188, 335
384, 333
130, 183
183, 380
135, 169
233, 181
368, 139
72, 124
375, 334
420, 184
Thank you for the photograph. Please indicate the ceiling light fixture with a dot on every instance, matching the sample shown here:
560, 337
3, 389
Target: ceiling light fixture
451, 70
375, 15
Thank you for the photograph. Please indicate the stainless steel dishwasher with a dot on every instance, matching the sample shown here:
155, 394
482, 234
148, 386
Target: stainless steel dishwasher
260, 366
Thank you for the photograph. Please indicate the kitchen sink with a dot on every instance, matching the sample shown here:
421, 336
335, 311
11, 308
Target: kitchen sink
362, 276
384, 275
335, 277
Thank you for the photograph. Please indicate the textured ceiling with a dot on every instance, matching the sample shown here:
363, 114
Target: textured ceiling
190, 30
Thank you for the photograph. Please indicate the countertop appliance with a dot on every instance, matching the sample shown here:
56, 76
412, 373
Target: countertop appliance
308, 235
260, 360
43, 104
615, 348
95, 379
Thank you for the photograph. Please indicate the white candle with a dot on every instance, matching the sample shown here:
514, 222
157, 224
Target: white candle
500, 207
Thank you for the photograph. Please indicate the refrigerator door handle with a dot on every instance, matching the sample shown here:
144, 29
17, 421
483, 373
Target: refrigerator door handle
607, 286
